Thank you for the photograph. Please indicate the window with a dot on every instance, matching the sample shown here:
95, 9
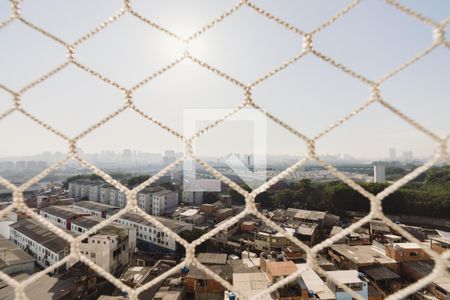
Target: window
413, 254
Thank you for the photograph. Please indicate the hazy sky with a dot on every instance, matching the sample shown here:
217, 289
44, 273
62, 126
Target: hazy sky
309, 95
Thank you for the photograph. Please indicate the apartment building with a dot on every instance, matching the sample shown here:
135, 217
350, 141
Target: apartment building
163, 202
85, 189
104, 194
43, 244
193, 198
113, 197
144, 199
121, 199
267, 239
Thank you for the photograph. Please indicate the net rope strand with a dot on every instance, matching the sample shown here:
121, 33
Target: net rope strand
439, 40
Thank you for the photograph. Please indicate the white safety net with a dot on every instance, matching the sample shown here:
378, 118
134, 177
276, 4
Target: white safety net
441, 260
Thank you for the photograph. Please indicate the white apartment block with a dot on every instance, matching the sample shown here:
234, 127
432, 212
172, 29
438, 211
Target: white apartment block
113, 196
85, 189
145, 201
194, 198
94, 192
379, 172
149, 234
121, 199
44, 245
163, 202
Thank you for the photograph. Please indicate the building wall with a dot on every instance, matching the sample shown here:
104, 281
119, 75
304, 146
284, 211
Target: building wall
60, 222
203, 292
113, 197
194, 198
152, 234
102, 251
44, 256
121, 199
88, 211
166, 203
145, 201
402, 255
94, 193
104, 195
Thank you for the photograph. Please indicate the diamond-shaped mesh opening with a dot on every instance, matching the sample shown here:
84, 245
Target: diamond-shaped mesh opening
21, 162
431, 86
25, 82
306, 77
223, 51
57, 98
34, 55
377, 50
125, 42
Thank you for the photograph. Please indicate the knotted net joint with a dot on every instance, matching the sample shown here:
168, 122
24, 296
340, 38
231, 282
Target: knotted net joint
128, 97
70, 53
16, 101
439, 34
308, 43
375, 92
248, 96
312, 149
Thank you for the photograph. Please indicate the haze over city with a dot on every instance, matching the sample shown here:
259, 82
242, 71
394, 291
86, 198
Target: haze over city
309, 95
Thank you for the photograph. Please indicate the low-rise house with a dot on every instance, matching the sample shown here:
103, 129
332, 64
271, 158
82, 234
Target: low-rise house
61, 216
223, 238
356, 257
223, 214
378, 230
278, 270
308, 233
403, 252
350, 278
93, 208
202, 286
251, 284
312, 286
267, 239
321, 218
440, 243
416, 270
151, 238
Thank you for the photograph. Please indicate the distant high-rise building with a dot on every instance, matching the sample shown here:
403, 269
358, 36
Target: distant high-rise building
248, 160
169, 157
392, 154
126, 153
408, 155
379, 172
